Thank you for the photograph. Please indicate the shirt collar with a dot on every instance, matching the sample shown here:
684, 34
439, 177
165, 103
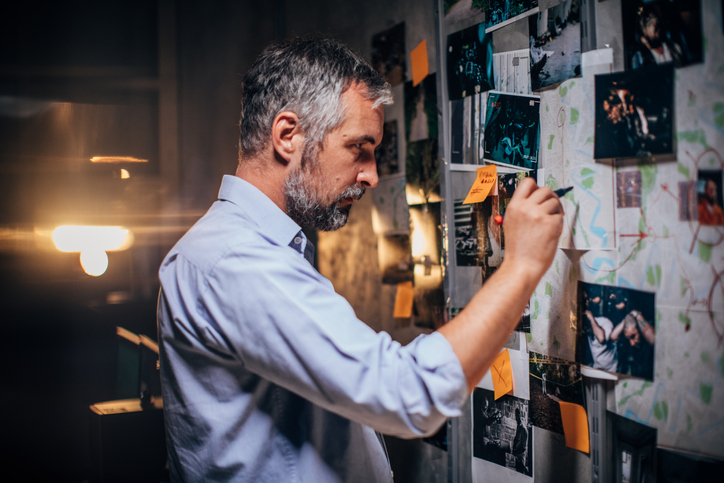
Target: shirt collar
271, 220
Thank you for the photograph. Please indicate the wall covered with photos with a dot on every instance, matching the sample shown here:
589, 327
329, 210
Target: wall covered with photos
635, 127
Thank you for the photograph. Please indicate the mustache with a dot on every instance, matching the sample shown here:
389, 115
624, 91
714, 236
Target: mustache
355, 192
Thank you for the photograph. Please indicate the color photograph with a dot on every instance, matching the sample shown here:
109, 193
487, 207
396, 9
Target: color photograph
552, 380
709, 198
662, 31
469, 62
616, 329
634, 113
388, 54
503, 12
512, 130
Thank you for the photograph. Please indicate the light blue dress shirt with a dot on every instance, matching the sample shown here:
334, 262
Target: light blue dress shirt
267, 374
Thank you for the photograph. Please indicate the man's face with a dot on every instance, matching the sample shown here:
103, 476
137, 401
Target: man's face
633, 336
651, 28
319, 193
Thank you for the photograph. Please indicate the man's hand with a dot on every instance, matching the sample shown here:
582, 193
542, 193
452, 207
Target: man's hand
533, 223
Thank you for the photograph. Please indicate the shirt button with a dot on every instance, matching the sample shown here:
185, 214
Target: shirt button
297, 240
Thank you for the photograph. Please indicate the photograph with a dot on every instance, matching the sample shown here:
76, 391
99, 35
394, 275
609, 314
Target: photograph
628, 189
386, 156
469, 62
462, 149
616, 330
555, 44
552, 380
709, 198
512, 130
421, 109
388, 54
395, 258
466, 235
502, 433
457, 11
428, 310
634, 114
503, 12
688, 201
661, 31
633, 445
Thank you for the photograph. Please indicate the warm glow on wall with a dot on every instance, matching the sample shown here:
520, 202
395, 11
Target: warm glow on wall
92, 242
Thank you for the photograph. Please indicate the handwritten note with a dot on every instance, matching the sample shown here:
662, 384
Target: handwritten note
487, 179
418, 62
502, 374
403, 301
575, 426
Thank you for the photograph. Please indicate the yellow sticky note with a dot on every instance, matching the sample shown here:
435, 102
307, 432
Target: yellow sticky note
575, 426
502, 374
403, 301
486, 179
418, 62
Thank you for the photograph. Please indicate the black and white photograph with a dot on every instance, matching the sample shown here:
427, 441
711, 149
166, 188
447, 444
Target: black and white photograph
463, 130
555, 44
466, 235
502, 433
421, 159
661, 31
490, 248
633, 445
457, 11
388, 54
469, 62
634, 113
503, 12
386, 156
616, 329
512, 133
421, 109
709, 197
552, 380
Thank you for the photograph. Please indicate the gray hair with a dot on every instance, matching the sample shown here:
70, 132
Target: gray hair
306, 76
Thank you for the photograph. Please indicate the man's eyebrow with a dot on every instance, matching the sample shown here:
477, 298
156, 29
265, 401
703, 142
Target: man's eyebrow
363, 139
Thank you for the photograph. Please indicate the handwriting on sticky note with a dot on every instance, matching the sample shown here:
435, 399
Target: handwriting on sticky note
403, 301
575, 426
502, 374
418, 62
486, 179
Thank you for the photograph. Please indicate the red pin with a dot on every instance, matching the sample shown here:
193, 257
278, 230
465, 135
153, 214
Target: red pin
498, 219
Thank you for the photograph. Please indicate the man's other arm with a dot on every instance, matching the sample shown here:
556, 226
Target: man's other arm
533, 224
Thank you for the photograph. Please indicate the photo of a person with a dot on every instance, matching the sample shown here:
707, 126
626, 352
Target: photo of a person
634, 113
662, 31
616, 333
709, 206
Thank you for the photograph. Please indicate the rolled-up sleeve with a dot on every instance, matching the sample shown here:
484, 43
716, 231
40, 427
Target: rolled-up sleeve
267, 308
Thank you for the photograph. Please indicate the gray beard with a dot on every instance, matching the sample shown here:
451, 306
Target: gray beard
306, 208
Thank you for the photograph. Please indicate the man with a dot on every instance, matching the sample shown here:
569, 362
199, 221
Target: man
710, 213
268, 375
520, 444
655, 46
636, 347
601, 341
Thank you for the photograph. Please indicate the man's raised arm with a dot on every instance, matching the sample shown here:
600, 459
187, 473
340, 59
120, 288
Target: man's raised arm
533, 224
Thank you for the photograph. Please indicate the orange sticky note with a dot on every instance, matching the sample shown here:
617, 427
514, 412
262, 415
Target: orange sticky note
487, 179
575, 426
502, 374
403, 301
418, 61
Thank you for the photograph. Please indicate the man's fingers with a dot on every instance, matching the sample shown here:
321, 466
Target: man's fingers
552, 206
525, 188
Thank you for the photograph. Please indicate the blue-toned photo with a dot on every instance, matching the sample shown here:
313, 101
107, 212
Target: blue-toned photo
512, 132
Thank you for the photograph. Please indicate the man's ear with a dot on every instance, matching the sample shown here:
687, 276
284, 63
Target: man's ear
287, 136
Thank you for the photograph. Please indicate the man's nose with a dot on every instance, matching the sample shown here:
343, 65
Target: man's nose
367, 175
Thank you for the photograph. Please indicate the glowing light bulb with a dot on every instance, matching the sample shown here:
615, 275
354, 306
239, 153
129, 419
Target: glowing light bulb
94, 262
